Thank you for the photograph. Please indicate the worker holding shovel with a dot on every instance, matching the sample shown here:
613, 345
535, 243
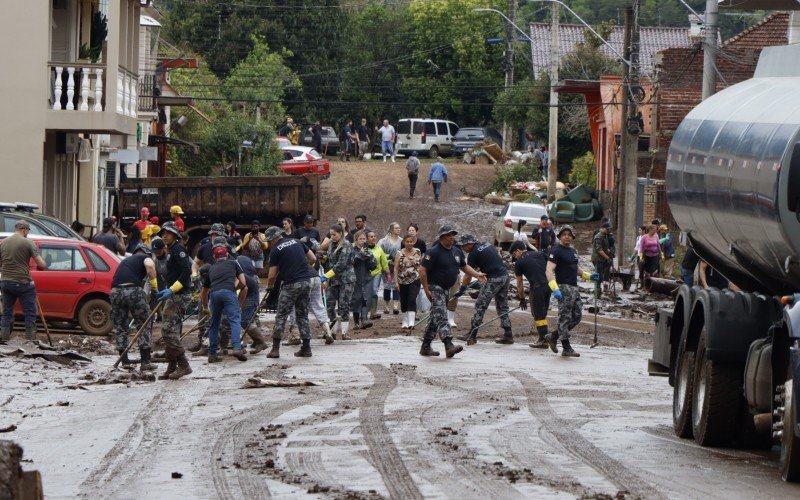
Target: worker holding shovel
533, 266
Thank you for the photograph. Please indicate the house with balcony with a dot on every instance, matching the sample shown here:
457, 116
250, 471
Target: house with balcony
70, 92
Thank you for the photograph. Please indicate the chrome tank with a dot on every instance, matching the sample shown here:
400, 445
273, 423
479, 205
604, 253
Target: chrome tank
733, 176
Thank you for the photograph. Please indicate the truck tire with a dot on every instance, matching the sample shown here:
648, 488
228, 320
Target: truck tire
716, 398
94, 317
433, 152
682, 391
790, 442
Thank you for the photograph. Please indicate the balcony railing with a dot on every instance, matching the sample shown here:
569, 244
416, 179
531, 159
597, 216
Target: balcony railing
76, 87
148, 90
126, 93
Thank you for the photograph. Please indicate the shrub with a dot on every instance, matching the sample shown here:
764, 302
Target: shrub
583, 170
505, 176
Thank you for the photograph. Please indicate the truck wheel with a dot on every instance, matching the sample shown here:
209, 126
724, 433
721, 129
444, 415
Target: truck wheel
790, 442
682, 391
94, 317
716, 396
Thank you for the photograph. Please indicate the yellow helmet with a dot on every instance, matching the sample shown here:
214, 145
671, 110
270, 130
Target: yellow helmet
176, 209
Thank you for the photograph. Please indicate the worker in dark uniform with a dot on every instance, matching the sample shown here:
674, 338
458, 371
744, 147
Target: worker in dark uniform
219, 290
562, 275
289, 259
438, 273
128, 298
177, 296
486, 258
533, 266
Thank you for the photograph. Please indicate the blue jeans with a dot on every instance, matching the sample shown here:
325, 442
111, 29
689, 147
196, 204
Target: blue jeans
437, 189
387, 147
224, 301
687, 275
249, 308
26, 294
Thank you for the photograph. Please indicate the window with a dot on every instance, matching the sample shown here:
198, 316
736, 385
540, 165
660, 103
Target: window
430, 128
403, 127
527, 211
63, 259
98, 263
10, 221
417, 128
441, 128
56, 228
453, 128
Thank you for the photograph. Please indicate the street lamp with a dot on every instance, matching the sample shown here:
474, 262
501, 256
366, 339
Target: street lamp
506, 18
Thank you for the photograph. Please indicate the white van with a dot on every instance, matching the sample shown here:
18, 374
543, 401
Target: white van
425, 135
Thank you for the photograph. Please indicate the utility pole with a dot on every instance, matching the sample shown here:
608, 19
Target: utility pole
710, 50
509, 66
619, 174
552, 165
631, 131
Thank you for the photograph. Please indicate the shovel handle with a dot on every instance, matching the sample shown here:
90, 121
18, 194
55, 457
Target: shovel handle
141, 329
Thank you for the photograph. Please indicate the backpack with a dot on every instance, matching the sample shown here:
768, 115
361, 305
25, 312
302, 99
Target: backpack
254, 247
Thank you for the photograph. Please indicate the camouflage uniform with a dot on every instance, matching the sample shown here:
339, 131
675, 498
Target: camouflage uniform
293, 296
172, 321
132, 301
497, 289
341, 285
437, 321
570, 310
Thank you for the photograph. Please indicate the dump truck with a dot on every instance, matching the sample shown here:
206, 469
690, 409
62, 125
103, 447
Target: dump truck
733, 186
206, 200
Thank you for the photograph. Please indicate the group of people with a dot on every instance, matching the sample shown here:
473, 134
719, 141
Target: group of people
353, 140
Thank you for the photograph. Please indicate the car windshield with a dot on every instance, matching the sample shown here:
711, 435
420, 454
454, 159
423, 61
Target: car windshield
527, 211
59, 229
469, 133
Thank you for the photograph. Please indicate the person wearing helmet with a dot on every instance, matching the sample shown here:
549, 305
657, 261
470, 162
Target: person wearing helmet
176, 211
438, 272
532, 265
144, 219
562, 275
177, 296
151, 231
486, 257
129, 300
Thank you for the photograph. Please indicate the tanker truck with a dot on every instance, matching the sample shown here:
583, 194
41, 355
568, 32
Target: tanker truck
733, 185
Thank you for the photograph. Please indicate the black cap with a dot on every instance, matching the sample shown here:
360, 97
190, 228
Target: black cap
606, 225
158, 244
308, 218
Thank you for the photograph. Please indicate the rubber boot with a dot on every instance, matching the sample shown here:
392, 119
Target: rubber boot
365, 322
145, 365
172, 363
412, 318
387, 306
507, 338
30, 332
395, 307
552, 339
305, 350
126, 362
568, 351
337, 325
451, 349
345, 326
451, 318
183, 365
427, 350
356, 320
542, 342
404, 325
276, 349
5, 334
259, 344
327, 336
373, 310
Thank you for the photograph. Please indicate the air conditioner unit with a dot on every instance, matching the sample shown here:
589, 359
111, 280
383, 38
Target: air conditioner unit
112, 175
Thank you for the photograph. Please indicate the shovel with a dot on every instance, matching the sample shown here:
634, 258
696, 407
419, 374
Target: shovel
596, 293
46, 329
141, 329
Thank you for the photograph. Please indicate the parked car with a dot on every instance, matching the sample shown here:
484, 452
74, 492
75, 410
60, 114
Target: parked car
467, 137
330, 140
294, 166
425, 135
77, 283
512, 213
11, 213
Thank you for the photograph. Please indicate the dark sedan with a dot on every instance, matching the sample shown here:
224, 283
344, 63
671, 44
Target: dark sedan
466, 138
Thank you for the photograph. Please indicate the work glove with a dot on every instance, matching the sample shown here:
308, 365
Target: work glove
558, 295
523, 303
164, 295
323, 279
595, 277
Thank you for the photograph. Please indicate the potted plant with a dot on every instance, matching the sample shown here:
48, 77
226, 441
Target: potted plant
97, 35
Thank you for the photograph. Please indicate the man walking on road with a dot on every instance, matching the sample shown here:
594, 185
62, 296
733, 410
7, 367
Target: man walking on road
129, 300
437, 176
438, 273
533, 266
16, 251
388, 137
562, 274
177, 297
486, 258
289, 259
412, 166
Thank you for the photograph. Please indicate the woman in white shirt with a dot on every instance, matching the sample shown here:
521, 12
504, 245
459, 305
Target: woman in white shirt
519, 235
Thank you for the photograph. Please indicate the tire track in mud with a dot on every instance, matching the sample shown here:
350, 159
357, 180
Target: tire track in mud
124, 459
381, 448
570, 438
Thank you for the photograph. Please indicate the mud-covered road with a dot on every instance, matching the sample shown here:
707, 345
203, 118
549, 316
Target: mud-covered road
494, 422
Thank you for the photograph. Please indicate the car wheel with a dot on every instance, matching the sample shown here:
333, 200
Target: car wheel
433, 152
94, 317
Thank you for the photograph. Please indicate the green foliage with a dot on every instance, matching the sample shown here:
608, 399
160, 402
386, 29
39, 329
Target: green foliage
505, 176
583, 170
98, 32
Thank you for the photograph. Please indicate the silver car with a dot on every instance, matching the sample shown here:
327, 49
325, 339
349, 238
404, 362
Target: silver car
512, 213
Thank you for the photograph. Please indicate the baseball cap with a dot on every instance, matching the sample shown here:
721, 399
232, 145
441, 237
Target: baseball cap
606, 225
154, 219
220, 253
308, 218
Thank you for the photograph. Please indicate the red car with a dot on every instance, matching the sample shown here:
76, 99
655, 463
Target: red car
77, 284
294, 165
